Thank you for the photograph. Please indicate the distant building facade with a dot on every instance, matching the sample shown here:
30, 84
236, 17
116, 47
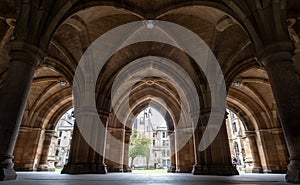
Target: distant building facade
238, 142
61, 141
160, 145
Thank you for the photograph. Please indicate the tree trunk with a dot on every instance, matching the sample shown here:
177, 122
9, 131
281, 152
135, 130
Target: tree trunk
131, 163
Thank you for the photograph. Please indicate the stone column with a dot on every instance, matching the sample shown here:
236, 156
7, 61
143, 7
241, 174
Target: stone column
282, 153
271, 151
43, 166
114, 149
27, 148
172, 168
286, 90
185, 151
216, 159
251, 135
126, 167
13, 97
82, 158
199, 162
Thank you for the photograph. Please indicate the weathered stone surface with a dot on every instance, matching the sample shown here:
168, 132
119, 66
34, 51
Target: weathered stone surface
250, 39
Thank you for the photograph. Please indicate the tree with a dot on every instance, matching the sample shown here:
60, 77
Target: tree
139, 146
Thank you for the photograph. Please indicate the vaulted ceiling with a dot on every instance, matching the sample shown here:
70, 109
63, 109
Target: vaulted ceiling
88, 20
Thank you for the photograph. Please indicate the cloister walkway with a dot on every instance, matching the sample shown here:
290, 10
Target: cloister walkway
47, 178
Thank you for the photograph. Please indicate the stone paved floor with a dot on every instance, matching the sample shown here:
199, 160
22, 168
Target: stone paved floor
46, 178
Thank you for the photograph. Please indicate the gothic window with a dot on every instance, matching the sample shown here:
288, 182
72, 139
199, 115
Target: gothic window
58, 142
233, 115
234, 127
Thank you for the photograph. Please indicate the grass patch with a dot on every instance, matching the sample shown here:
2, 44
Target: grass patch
58, 170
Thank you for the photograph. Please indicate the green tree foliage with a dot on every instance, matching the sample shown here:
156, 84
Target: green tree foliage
139, 146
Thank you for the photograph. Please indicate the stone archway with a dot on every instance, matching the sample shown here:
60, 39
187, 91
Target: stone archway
252, 100
69, 29
154, 49
47, 102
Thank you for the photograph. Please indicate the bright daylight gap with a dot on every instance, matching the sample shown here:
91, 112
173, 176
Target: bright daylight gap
149, 150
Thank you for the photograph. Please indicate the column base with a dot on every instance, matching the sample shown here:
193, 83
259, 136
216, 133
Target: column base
275, 170
126, 169
293, 173
23, 167
114, 169
255, 169
7, 171
184, 169
227, 170
45, 167
84, 168
172, 169
7, 174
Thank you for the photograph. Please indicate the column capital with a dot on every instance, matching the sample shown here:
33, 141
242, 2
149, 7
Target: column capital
49, 132
128, 132
271, 130
105, 114
189, 130
170, 131
218, 111
28, 53
110, 129
29, 129
115, 129
280, 51
250, 134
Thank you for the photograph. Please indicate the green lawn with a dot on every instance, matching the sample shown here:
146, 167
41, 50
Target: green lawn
58, 170
149, 171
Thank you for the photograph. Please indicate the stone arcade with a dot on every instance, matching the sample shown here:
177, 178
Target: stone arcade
256, 43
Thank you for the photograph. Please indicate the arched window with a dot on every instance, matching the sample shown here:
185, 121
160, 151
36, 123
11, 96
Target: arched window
234, 127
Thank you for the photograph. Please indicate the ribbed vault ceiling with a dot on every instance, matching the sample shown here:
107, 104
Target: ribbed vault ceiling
89, 20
